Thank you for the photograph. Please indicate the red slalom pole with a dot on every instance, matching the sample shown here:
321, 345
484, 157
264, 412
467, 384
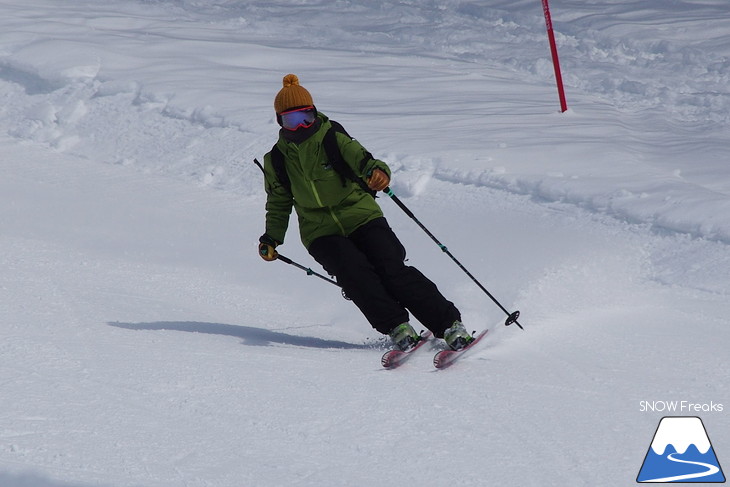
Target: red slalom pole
554, 51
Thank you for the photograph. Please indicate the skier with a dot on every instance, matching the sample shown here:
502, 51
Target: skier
341, 224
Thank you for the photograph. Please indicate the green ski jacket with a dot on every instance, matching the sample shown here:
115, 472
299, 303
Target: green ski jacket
325, 203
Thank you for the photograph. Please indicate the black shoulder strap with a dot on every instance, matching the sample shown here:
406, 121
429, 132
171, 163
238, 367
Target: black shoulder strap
277, 161
335, 157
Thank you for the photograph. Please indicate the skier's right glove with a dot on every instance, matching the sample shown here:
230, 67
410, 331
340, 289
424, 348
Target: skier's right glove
378, 180
267, 246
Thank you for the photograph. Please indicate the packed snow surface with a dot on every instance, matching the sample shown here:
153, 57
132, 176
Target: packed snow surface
144, 343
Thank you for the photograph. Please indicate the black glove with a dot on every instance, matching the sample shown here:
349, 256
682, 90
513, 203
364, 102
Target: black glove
267, 246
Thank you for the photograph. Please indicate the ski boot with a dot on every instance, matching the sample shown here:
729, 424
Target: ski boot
457, 337
404, 336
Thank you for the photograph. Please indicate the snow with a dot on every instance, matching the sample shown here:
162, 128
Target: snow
689, 431
144, 343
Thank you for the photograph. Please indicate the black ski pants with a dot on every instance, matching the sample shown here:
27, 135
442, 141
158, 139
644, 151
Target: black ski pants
370, 266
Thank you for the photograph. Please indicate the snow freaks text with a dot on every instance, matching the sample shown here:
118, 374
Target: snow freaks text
682, 407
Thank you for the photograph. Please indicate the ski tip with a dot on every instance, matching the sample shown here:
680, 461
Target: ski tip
391, 359
443, 359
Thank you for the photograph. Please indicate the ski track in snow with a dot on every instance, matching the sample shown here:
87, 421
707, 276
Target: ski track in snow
143, 343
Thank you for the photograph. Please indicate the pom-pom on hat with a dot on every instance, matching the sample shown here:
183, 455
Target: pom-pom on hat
291, 95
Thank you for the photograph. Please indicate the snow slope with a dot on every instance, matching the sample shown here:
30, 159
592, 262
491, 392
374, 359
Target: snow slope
143, 343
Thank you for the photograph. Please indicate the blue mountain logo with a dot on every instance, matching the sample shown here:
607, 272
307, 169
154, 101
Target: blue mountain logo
681, 452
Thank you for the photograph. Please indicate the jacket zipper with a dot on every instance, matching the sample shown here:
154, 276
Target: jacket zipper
332, 212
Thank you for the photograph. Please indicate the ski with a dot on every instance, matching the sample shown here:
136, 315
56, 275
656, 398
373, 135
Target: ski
394, 358
444, 358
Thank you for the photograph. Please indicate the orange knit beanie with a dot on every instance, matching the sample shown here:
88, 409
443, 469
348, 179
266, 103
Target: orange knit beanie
291, 95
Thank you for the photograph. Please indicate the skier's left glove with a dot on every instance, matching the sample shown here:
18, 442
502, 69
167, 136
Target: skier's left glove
267, 246
378, 180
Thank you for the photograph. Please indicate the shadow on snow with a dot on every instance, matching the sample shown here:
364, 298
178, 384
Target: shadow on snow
34, 480
251, 336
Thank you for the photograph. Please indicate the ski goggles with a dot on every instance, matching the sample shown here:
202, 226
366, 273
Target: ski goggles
300, 117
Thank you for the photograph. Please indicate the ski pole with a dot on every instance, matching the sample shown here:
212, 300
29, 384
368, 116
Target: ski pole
309, 271
511, 317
